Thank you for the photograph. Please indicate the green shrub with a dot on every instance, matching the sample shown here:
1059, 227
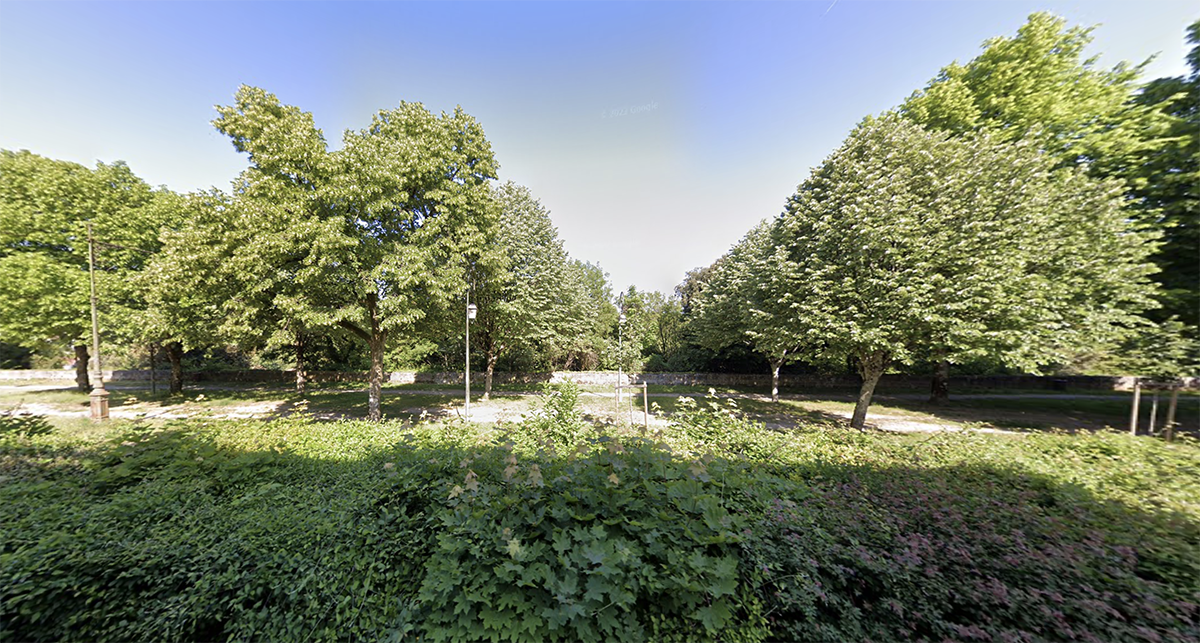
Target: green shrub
960, 554
624, 544
13, 422
294, 530
558, 421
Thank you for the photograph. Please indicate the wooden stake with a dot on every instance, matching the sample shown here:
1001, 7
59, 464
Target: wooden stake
1137, 398
645, 406
1153, 412
1169, 429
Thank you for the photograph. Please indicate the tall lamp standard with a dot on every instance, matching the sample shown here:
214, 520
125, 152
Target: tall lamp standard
99, 396
471, 310
620, 354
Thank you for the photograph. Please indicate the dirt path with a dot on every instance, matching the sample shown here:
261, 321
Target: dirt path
498, 410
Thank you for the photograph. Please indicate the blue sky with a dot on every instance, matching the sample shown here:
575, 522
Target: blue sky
656, 133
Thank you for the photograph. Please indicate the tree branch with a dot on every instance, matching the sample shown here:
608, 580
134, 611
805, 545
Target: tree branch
362, 334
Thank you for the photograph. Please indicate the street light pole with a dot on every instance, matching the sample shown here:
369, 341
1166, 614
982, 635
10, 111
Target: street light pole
99, 396
470, 315
620, 354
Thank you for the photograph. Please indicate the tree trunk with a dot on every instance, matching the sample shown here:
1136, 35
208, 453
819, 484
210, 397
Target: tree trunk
375, 387
301, 368
939, 391
491, 368
175, 355
871, 368
81, 368
376, 339
776, 364
153, 370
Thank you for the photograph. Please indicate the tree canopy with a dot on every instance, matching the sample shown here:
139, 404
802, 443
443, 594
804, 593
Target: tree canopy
524, 292
1038, 83
1168, 188
373, 238
45, 208
906, 241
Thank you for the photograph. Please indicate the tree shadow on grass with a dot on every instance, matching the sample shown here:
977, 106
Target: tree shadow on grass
292, 530
1069, 414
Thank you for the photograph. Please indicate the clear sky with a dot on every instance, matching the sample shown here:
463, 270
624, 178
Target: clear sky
656, 133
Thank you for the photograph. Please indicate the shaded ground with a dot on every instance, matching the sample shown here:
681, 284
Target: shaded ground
990, 412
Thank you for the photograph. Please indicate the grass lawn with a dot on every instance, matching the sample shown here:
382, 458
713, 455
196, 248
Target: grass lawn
712, 527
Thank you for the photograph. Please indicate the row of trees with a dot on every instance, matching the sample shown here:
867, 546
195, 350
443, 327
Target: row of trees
381, 242
1010, 213
1016, 210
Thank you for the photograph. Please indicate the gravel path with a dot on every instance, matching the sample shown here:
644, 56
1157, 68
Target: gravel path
490, 412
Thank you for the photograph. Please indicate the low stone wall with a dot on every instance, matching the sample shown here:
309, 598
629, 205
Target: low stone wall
609, 378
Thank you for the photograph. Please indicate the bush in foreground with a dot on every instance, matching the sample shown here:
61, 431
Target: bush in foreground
715, 530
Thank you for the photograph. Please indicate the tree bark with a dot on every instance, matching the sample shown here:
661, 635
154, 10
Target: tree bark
776, 364
871, 368
82, 381
939, 390
376, 339
375, 387
492, 356
175, 355
301, 367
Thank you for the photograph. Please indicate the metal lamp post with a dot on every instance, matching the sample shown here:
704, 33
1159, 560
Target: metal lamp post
471, 310
620, 354
99, 396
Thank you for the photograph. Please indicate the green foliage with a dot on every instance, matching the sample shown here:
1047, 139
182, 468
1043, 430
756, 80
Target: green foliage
590, 300
45, 208
1163, 352
1038, 83
907, 243
13, 422
14, 356
621, 544
558, 421
1166, 183
718, 529
714, 425
526, 295
373, 239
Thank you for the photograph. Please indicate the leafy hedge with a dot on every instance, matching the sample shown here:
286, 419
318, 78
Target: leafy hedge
715, 529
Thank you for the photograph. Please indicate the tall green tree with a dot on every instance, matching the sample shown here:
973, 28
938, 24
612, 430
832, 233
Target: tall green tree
1038, 84
652, 330
371, 238
907, 242
746, 298
45, 206
1168, 189
592, 345
195, 295
523, 293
